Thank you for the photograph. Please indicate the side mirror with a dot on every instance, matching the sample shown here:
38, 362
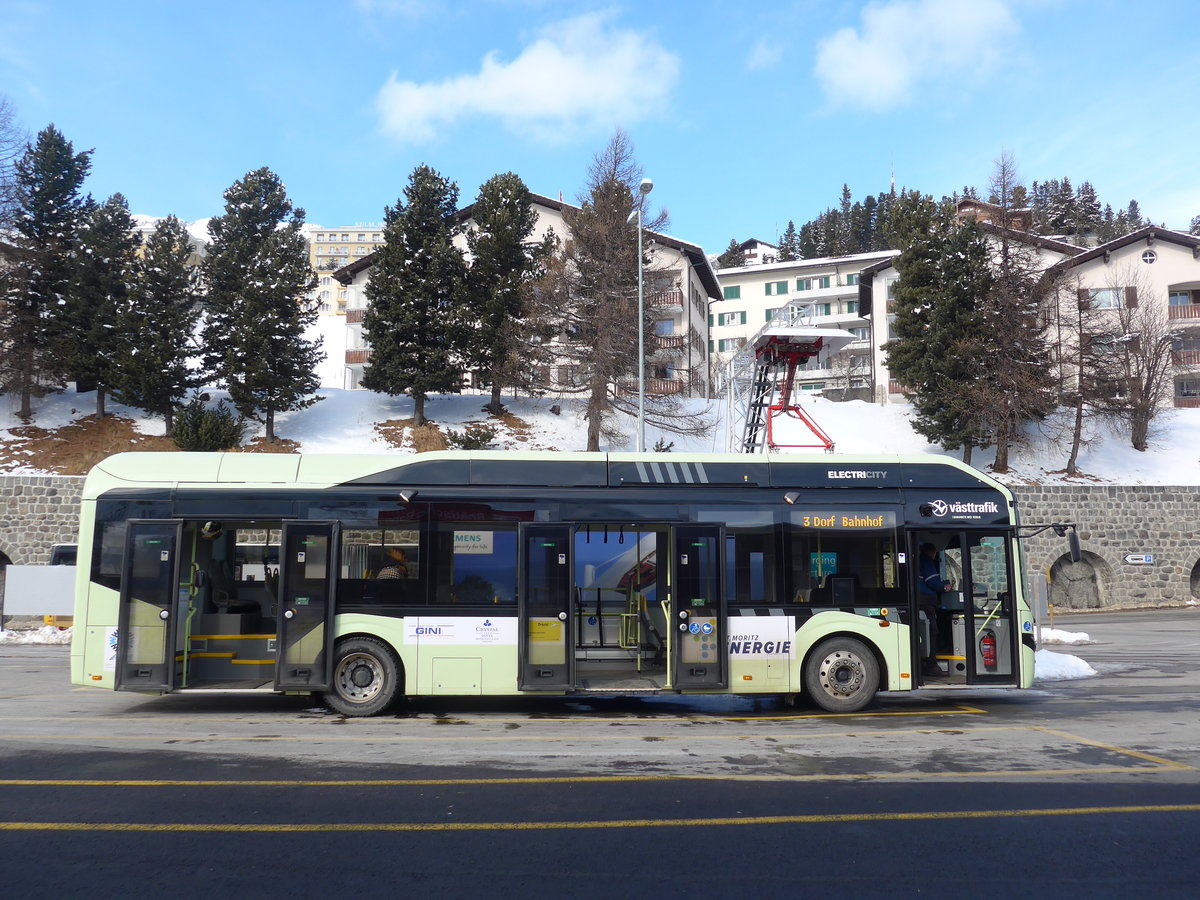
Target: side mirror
1073, 543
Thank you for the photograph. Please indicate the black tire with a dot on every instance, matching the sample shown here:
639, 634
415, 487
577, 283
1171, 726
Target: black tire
841, 675
366, 677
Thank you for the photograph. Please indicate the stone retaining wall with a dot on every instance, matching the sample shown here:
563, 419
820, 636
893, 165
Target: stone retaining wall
1117, 524
38, 511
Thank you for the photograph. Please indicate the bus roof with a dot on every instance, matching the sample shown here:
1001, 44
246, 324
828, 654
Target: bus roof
536, 468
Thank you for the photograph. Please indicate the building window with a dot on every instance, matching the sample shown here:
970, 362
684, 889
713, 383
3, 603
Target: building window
377, 238
362, 237
732, 318
733, 292
320, 238
861, 334
771, 312
1181, 298
664, 327
804, 284
851, 279
1149, 257
775, 288
1105, 298
824, 281
851, 306
891, 289
1188, 387
345, 237
820, 309
728, 345
813, 386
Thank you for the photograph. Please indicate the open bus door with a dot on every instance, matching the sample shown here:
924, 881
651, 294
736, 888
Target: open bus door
544, 606
307, 570
148, 614
700, 644
978, 637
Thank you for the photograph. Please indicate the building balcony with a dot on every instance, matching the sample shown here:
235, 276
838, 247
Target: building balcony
669, 299
1187, 402
354, 315
669, 341
1186, 357
895, 387
357, 356
1191, 311
653, 386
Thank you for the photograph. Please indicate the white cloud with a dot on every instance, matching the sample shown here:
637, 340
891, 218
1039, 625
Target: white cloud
904, 45
764, 54
581, 74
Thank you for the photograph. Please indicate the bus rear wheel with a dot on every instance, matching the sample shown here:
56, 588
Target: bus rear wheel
841, 675
366, 677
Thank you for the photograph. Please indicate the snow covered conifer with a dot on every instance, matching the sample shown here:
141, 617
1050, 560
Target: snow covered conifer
416, 317
256, 274
85, 341
48, 210
504, 264
156, 325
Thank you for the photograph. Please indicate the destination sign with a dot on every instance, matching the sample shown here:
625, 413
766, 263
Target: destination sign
842, 519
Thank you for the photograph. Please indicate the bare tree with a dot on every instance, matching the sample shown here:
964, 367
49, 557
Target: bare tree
592, 296
1138, 342
1016, 388
13, 140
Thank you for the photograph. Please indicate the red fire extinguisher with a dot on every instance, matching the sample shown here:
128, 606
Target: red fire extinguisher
987, 647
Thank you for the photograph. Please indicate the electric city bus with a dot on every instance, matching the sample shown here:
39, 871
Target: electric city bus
370, 578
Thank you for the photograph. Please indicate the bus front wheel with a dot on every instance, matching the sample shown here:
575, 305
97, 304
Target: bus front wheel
841, 675
366, 677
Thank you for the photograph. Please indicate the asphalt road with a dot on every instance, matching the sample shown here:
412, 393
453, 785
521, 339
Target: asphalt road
1083, 788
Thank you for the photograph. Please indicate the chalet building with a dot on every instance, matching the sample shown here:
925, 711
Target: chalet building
679, 284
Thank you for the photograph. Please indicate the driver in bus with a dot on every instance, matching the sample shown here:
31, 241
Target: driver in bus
931, 586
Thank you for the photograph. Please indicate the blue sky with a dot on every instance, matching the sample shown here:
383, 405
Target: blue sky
745, 115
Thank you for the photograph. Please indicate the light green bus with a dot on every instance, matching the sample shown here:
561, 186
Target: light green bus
369, 578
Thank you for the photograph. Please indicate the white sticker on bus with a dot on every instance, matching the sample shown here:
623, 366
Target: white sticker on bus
110, 650
445, 630
473, 542
757, 637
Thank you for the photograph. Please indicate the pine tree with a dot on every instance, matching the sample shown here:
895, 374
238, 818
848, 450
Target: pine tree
1010, 348
732, 257
157, 325
49, 210
84, 339
943, 272
256, 273
1087, 210
416, 320
789, 244
1134, 214
504, 265
1194, 228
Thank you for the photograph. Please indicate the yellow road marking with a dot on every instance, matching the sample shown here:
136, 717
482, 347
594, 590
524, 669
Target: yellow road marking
836, 818
566, 779
1122, 750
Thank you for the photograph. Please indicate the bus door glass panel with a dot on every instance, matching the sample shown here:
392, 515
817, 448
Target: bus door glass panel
947, 632
308, 565
544, 609
148, 612
698, 607
990, 612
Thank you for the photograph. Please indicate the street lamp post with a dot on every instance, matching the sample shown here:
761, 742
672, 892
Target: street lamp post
645, 188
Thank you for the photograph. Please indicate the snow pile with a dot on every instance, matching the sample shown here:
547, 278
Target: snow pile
1051, 666
1054, 636
47, 634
